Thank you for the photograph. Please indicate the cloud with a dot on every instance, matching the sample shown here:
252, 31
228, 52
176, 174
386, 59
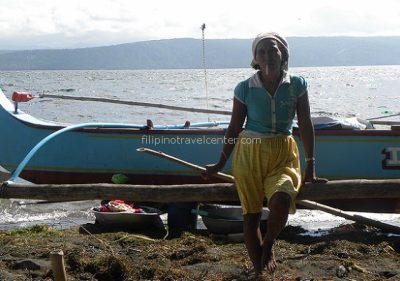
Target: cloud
60, 23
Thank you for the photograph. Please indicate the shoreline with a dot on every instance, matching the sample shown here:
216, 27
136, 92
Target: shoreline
310, 220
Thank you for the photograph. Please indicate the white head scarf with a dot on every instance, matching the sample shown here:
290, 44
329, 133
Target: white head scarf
270, 35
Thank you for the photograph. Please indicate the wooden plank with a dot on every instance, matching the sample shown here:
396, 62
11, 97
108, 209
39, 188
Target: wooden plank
351, 189
218, 192
149, 193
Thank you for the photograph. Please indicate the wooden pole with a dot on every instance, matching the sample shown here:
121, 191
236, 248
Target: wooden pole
384, 116
356, 218
307, 203
135, 103
195, 167
379, 122
216, 192
57, 265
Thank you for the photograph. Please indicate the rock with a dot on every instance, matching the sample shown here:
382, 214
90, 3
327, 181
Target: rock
341, 271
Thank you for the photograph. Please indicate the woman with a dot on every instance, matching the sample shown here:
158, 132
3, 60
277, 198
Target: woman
266, 158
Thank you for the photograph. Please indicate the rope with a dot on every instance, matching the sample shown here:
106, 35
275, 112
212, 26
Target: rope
125, 102
203, 27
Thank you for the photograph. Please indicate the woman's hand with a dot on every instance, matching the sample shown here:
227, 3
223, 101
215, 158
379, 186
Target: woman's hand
310, 176
212, 169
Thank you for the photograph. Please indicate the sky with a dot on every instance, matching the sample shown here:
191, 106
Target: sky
33, 24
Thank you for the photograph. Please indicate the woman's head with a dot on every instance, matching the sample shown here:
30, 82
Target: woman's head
281, 43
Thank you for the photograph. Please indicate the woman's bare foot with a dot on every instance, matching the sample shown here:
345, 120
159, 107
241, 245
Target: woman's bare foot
254, 275
268, 259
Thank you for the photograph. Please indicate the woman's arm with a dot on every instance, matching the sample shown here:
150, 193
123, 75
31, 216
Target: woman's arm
307, 136
238, 117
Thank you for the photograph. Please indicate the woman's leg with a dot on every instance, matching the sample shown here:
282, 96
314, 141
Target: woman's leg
278, 214
253, 239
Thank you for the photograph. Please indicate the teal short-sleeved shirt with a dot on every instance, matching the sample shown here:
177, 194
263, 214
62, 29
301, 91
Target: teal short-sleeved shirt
266, 114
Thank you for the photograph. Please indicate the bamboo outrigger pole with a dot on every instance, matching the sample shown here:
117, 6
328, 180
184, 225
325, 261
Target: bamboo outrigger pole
136, 103
305, 203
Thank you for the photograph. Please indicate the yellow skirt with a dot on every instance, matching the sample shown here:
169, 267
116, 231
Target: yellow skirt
264, 166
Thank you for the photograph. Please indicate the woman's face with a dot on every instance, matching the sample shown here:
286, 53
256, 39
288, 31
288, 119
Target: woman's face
268, 55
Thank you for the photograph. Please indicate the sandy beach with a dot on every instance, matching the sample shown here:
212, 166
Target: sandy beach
91, 252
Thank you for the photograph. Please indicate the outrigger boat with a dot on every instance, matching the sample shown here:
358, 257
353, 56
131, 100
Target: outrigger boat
93, 153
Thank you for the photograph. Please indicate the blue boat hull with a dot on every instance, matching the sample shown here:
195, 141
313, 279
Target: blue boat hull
93, 155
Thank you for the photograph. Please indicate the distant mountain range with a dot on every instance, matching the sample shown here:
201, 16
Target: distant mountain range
220, 53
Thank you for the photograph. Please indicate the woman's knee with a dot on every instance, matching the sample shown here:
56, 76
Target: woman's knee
280, 200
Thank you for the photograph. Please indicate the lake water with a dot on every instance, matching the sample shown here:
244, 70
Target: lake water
365, 92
